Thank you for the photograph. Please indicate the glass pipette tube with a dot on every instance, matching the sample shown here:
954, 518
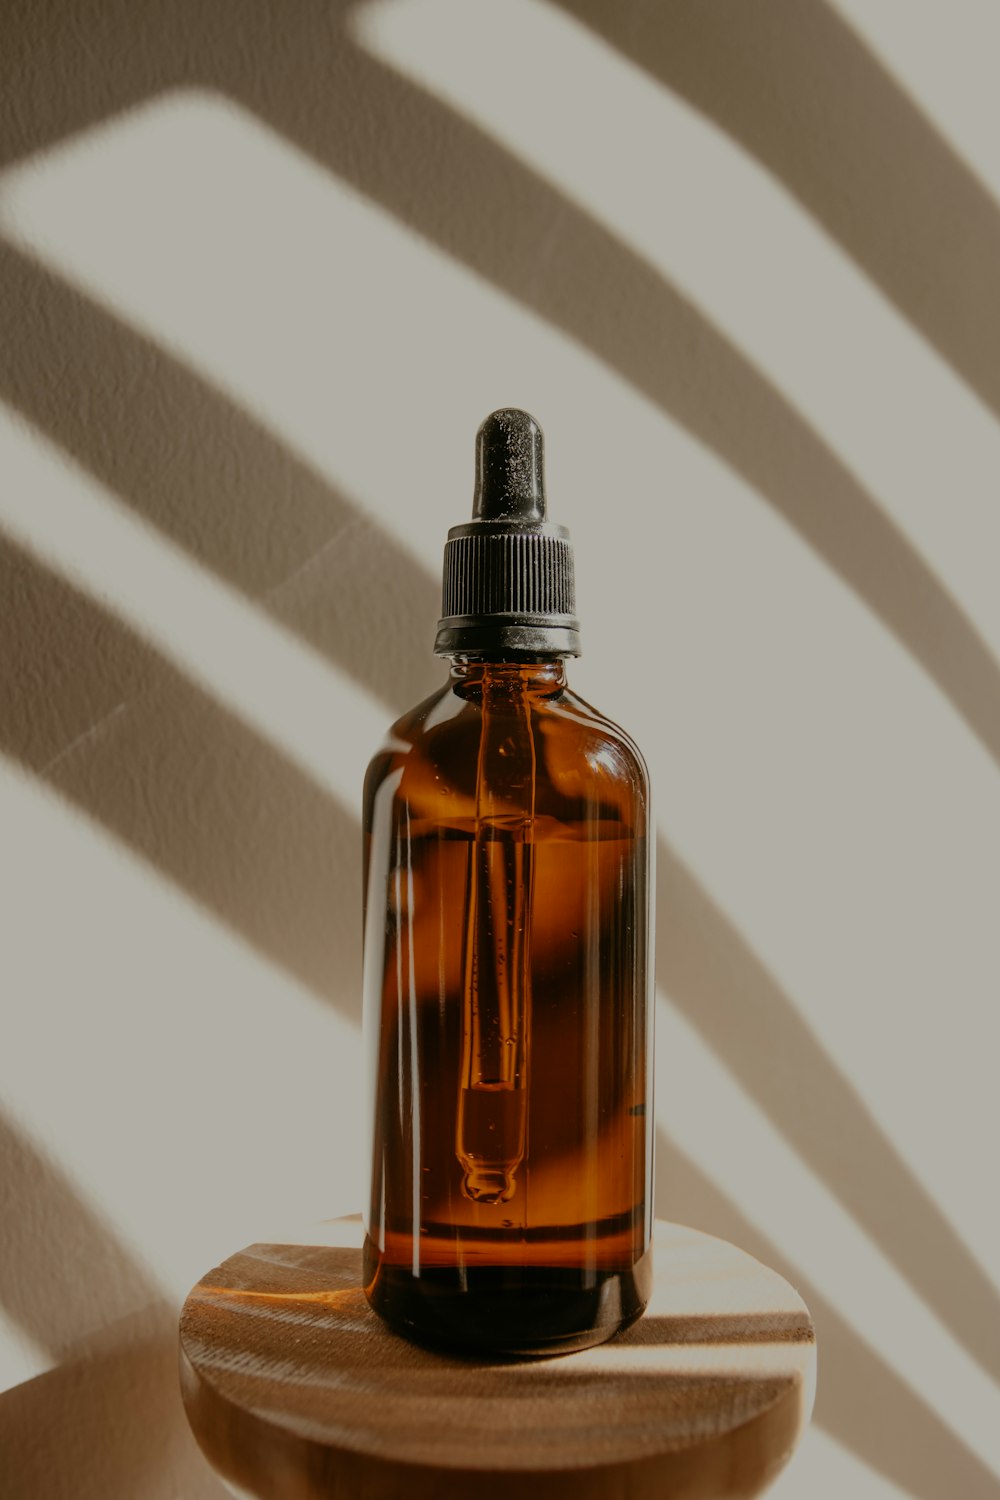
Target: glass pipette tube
491, 1122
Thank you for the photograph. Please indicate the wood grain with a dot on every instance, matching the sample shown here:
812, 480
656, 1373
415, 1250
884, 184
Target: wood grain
297, 1391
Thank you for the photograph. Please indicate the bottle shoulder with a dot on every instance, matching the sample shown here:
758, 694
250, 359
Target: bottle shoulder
405, 737
581, 756
622, 755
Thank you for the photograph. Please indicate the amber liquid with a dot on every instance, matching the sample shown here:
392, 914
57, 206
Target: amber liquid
507, 1012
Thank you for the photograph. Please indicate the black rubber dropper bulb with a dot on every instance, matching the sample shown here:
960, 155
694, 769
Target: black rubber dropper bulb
508, 573
510, 469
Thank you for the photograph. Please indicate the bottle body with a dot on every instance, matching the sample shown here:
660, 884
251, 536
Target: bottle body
508, 1017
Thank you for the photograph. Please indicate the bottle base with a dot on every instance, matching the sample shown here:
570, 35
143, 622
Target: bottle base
518, 1311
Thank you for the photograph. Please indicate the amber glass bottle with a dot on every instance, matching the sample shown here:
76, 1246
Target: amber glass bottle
507, 989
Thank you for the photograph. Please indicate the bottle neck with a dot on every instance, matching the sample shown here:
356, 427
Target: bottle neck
542, 677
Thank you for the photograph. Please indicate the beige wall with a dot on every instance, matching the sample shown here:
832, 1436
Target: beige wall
265, 268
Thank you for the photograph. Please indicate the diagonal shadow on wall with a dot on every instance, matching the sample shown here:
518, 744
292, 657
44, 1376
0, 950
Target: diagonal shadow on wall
106, 1423
117, 730
212, 479
861, 1401
453, 185
62, 1275
794, 85
714, 978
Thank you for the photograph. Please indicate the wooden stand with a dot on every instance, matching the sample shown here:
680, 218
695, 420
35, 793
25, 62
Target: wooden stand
295, 1390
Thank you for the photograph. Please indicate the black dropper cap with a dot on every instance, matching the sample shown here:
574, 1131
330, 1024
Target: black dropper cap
508, 573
